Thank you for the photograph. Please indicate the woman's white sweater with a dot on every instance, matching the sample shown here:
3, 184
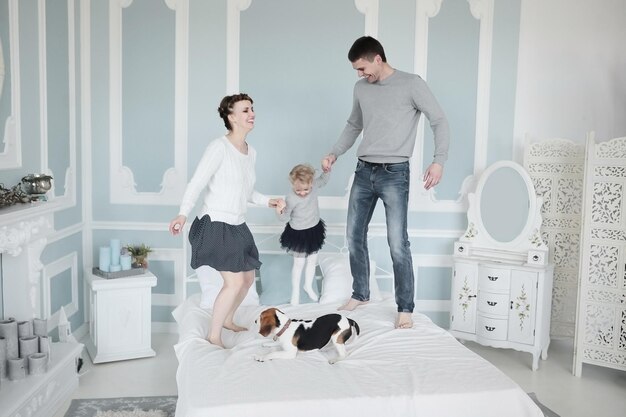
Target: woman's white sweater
227, 176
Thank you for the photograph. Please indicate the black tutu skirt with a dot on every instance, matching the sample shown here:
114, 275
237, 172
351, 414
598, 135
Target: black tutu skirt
306, 241
222, 246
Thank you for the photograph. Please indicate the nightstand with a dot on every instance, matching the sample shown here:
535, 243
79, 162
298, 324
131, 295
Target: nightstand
120, 319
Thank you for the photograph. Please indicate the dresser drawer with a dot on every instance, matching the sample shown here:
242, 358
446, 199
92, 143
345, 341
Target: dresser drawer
490, 328
494, 279
493, 303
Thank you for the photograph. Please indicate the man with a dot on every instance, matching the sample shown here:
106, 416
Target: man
387, 104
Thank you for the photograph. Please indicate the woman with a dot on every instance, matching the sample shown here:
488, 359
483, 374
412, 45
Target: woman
220, 238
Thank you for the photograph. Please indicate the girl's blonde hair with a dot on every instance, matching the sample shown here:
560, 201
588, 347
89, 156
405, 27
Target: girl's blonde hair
302, 172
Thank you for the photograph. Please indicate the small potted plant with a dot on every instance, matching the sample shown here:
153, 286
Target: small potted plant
139, 254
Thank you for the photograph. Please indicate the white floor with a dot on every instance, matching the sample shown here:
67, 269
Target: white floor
600, 391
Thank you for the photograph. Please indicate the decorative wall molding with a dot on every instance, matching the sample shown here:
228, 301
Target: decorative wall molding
144, 226
43, 90
49, 272
176, 256
483, 11
68, 199
23, 242
85, 134
370, 9
233, 33
11, 155
375, 230
122, 184
13, 238
67, 232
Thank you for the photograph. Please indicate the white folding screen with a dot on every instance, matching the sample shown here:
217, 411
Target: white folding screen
556, 167
601, 314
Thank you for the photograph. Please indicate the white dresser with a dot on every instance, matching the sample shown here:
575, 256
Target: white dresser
502, 280
42, 395
120, 317
502, 305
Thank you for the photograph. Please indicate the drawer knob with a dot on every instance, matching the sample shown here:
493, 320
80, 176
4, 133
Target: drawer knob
492, 278
490, 328
492, 303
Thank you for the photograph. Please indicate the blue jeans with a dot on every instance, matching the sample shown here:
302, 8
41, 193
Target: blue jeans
390, 183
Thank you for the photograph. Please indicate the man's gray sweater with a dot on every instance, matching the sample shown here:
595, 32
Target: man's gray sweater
387, 112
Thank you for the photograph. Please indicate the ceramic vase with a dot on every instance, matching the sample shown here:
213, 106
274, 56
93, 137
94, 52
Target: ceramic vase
37, 364
40, 327
45, 346
3, 358
17, 368
28, 346
8, 330
24, 328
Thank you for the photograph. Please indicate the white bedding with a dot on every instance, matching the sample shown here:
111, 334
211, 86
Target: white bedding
388, 372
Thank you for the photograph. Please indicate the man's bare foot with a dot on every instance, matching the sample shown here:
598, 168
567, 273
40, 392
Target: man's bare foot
404, 321
352, 304
216, 341
234, 327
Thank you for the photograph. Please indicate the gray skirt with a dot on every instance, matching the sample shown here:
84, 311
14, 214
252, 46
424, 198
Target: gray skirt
222, 246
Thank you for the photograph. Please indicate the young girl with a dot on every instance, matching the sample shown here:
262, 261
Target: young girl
305, 232
220, 238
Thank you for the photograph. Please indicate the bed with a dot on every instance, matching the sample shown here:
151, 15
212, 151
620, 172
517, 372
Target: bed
422, 371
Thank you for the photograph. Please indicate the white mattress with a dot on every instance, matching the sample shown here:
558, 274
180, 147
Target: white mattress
414, 372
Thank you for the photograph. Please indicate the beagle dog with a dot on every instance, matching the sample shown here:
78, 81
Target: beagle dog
301, 335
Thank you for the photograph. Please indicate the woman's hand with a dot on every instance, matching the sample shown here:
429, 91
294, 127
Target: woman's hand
278, 204
177, 224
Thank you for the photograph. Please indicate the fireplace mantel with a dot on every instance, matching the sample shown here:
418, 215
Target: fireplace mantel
23, 236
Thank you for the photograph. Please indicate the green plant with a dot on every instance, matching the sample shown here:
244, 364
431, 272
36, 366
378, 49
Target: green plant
138, 250
139, 254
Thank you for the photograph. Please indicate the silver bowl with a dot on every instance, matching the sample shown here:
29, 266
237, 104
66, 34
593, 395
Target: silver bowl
36, 184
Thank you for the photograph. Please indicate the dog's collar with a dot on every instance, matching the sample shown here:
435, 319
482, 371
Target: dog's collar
280, 333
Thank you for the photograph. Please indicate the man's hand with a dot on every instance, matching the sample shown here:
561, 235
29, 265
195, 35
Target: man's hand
433, 175
328, 162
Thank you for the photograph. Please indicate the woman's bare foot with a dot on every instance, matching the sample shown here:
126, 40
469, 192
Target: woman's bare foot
352, 304
234, 327
216, 341
404, 321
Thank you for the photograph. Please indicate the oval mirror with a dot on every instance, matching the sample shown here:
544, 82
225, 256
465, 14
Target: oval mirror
505, 203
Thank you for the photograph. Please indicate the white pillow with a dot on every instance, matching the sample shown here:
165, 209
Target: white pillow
337, 279
213, 285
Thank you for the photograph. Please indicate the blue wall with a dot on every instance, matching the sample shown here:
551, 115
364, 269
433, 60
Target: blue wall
293, 63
